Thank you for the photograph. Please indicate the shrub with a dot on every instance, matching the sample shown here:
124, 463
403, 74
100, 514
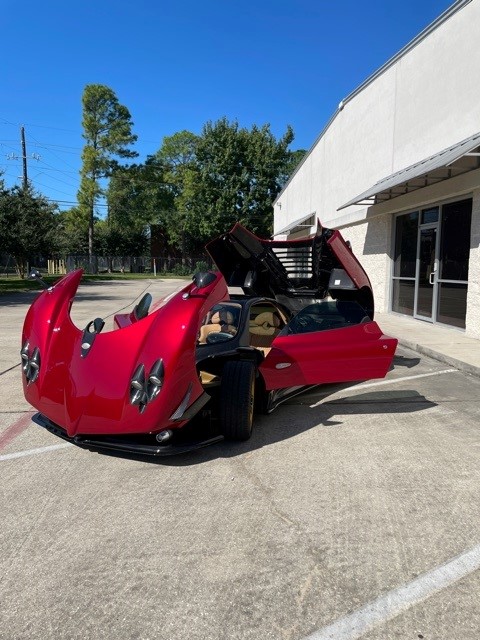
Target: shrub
181, 270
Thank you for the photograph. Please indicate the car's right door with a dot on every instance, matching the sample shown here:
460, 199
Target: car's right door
328, 342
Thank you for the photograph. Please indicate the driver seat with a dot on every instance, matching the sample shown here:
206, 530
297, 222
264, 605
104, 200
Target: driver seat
220, 321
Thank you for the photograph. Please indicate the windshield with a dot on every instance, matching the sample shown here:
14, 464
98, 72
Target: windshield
323, 316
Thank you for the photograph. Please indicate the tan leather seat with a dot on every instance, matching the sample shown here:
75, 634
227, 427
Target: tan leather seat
263, 329
221, 321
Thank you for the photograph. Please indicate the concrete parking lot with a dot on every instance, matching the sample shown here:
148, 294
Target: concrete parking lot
352, 512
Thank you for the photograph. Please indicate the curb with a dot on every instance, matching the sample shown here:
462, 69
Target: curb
441, 357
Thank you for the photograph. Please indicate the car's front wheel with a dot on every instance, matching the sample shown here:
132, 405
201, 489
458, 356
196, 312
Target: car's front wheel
237, 396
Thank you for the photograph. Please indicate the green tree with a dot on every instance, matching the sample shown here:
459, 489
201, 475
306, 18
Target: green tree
139, 199
292, 161
136, 194
178, 156
115, 241
28, 226
73, 232
107, 129
236, 176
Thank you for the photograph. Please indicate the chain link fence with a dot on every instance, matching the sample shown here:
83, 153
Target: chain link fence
139, 264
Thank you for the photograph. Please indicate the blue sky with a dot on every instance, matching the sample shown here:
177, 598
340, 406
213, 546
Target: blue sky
176, 64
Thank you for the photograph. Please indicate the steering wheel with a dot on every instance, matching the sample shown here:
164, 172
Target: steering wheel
307, 323
218, 336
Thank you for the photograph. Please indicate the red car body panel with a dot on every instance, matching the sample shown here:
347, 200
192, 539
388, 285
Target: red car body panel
90, 394
348, 261
271, 264
359, 352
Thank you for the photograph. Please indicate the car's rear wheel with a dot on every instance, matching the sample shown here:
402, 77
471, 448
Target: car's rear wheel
237, 397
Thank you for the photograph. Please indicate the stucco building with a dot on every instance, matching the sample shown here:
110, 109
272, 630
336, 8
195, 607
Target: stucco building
397, 169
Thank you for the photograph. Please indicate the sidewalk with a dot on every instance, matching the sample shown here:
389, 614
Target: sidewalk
448, 345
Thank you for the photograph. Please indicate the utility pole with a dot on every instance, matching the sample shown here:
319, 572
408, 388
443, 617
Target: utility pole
14, 156
24, 158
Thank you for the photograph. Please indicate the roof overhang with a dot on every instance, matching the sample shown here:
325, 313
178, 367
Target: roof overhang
300, 223
449, 163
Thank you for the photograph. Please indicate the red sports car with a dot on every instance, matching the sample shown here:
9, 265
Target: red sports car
276, 318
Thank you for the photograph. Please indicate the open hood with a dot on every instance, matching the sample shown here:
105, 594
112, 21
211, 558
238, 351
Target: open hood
139, 378
313, 267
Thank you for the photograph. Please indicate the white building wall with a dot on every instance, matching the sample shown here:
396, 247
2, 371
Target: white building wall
473, 299
438, 93
372, 242
425, 101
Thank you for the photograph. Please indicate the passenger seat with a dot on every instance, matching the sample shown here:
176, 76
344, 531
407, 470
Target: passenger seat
263, 329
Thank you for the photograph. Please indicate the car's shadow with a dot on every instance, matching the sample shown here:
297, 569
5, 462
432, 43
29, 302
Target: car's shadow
402, 361
306, 411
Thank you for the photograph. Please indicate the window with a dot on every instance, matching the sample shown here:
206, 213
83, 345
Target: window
323, 316
405, 258
454, 257
430, 215
406, 228
455, 240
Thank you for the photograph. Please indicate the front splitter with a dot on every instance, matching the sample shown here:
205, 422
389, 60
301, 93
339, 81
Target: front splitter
124, 445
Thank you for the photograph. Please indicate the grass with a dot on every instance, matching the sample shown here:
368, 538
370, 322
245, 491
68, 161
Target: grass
13, 283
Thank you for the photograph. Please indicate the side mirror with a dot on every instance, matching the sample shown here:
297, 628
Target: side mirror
141, 309
36, 275
203, 278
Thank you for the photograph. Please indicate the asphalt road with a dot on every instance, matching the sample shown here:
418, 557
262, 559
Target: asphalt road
346, 497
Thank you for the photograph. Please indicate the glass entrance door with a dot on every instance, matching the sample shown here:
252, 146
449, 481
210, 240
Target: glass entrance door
430, 263
427, 266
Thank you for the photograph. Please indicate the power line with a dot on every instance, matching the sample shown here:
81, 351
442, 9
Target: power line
40, 126
55, 155
75, 203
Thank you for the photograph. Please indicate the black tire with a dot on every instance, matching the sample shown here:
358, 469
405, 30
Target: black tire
237, 396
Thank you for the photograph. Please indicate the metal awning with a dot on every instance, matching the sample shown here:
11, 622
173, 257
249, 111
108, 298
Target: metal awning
460, 158
296, 223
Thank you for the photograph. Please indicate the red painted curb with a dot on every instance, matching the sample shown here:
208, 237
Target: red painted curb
15, 429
